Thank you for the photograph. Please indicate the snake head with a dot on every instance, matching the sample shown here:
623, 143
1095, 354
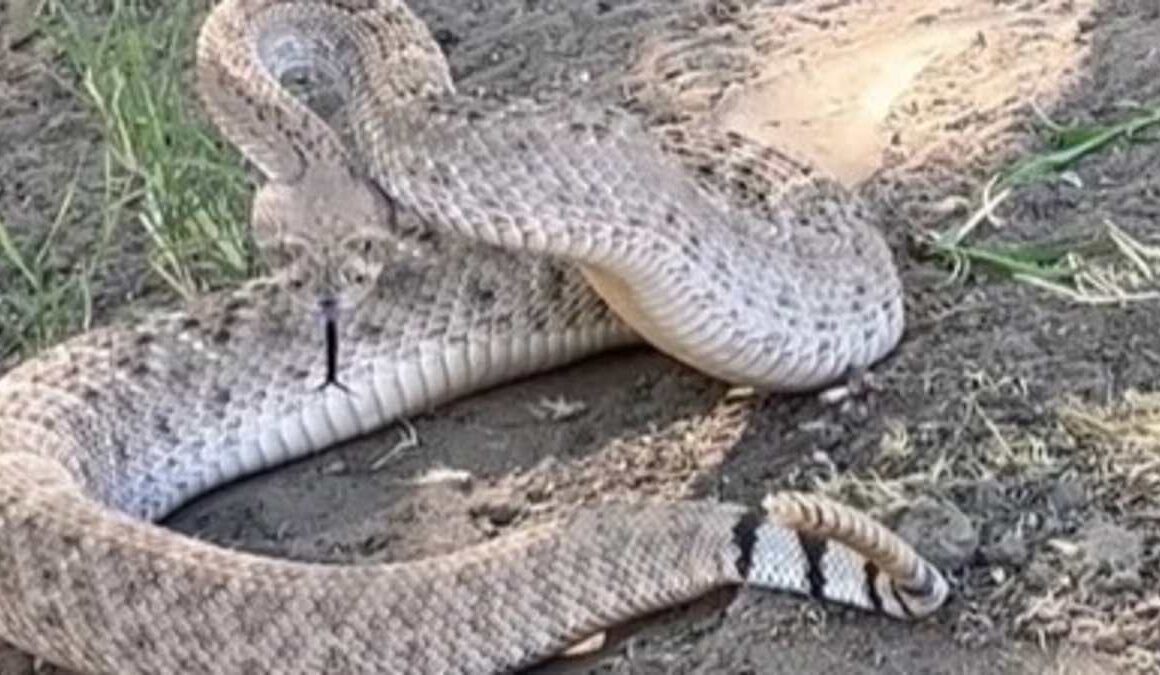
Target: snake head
326, 238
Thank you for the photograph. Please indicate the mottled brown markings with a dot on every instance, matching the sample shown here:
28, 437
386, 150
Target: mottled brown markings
428, 315
46, 421
483, 296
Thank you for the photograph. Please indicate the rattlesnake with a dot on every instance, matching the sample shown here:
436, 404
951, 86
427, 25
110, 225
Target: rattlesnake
451, 251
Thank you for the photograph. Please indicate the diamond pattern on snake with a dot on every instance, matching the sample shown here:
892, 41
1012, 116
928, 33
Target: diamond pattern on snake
448, 244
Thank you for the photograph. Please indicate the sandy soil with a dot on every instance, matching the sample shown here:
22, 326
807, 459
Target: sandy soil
1049, 530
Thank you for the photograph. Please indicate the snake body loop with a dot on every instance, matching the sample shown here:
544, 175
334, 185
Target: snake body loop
457, 241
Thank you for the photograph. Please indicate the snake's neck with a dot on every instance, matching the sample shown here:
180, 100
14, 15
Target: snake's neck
624, 302
774, 343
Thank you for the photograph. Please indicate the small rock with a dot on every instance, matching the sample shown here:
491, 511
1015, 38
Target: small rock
334, 468
1126, 581
1040, 575
1117, 553
1110, 641
1066, 496
1010, 550
446, 39
1109, 546
940, 532
989, 495
497, 510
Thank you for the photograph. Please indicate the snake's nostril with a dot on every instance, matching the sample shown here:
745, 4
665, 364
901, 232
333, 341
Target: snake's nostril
328, 305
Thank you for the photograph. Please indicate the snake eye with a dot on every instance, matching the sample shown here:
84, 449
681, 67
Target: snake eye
297, 277
357, 275
360, 245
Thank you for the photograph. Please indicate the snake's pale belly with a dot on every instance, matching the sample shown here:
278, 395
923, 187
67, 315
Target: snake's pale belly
752, 269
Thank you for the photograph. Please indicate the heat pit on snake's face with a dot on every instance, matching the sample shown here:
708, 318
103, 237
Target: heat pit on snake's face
330, 281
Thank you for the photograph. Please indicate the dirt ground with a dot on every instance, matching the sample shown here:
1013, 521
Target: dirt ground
981, 438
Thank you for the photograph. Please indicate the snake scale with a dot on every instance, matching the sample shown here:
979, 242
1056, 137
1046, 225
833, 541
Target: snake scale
451, 244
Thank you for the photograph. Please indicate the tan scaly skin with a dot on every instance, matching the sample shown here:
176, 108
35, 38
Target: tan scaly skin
749, 266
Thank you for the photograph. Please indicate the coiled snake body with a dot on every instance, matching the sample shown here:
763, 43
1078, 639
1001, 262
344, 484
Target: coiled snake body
726, 255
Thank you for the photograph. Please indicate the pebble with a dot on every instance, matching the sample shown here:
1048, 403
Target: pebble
940, 532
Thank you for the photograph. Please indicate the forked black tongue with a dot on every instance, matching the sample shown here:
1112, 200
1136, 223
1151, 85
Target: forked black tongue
331, 324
